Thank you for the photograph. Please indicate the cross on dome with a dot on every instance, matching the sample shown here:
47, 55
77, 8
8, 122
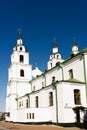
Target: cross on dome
55, 45
19, 41
19, 33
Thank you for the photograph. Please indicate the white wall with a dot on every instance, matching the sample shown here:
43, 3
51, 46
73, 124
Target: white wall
43, 96
23, 88
14, 72
66, 101
76, 64
57, 72
38, 83
40, 115
11, 105
15, 57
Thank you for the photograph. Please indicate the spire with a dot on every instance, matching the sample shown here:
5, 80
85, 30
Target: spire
55, 48
55, 43
19, 40
74, 40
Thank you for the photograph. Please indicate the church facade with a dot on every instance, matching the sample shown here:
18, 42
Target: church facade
58, 95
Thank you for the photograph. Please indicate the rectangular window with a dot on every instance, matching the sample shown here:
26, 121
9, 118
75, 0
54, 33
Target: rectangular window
36, 102
29, 115
26, 103
32, 115
50, 98
77, 97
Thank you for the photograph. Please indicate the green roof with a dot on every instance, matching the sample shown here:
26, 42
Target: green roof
83, 51
74, 81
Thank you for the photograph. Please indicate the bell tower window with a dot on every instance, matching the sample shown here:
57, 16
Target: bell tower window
20, 48
21, 58
22, 73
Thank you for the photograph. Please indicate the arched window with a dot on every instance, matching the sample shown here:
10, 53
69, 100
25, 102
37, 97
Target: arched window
20, 48
21, 58
53, 79
22, 73
77, 97
71, 74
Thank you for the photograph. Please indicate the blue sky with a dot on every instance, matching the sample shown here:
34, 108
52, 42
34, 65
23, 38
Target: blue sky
40, 21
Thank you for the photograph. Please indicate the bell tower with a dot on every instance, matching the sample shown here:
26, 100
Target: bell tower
20, 66
19, 75
54, 57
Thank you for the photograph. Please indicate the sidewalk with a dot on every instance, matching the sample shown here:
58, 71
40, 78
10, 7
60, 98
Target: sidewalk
15, 126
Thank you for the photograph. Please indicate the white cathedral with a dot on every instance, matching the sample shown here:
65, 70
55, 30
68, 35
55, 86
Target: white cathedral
58, 95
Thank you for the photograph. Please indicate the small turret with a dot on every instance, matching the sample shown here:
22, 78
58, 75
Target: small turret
19, 45
74, 48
